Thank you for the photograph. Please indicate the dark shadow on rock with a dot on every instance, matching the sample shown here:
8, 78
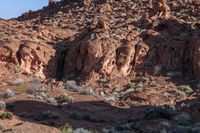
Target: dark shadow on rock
62, 48
90, 115
192, 107
166, 47
171, 47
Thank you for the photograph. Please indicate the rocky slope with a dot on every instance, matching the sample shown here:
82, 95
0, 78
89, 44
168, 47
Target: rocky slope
114, 41
95, 63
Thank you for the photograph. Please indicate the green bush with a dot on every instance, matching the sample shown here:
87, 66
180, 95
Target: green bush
67, 128
157, 70
130, 86
185, 89
7, 115
21, 89
152, 84
183, 119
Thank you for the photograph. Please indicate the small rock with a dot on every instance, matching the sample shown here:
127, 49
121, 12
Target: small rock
53, 81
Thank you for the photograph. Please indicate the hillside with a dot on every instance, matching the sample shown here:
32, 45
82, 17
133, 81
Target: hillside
114, 66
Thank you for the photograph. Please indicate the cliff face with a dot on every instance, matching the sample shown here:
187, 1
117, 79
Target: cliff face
98, 55
89, 40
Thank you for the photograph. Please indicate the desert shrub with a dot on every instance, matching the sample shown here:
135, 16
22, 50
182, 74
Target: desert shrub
185, 89
2, 105
21, 89
183, 119
152, 84
8, 94
103, 80
16, 82
52, 101
67, 128
83, 130
65, 98
7, 115
74, 87
130, 86
157, 70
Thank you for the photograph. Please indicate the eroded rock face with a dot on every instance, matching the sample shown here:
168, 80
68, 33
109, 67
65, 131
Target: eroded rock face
119, 44
89, 57
97, 55
33, 58
37, 59
8, 49
101, 55
168, 53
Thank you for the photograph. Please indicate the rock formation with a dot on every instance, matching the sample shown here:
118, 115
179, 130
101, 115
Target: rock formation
105, 45
161, 7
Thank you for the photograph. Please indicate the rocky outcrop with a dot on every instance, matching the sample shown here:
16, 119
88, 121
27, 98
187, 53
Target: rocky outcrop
99, 55
88, 57
32, 58
102, 40
30, 47
37, 59
34, 128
